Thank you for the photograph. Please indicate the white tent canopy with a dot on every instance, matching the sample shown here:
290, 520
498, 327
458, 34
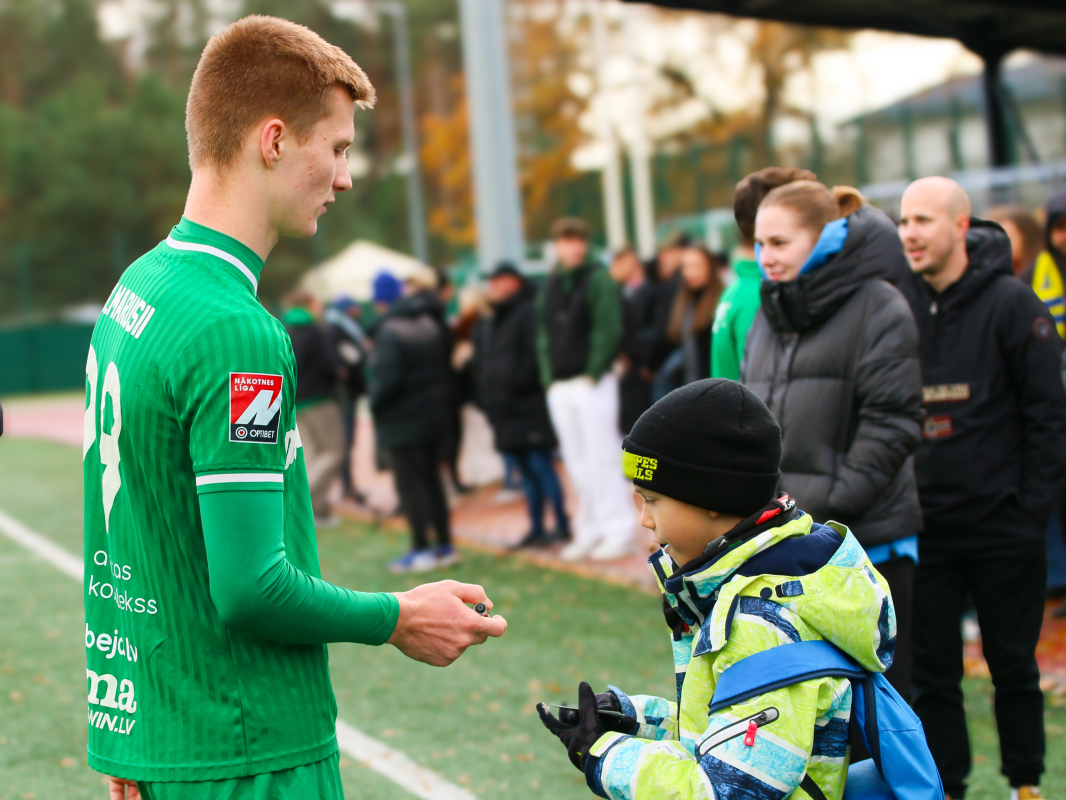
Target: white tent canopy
351, 272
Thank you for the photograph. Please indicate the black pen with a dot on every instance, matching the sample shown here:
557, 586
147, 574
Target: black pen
602, 711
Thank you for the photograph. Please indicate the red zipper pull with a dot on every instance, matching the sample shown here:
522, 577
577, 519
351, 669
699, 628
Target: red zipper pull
749, 737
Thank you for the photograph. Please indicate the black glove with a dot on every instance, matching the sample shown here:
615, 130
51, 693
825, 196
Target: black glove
608, 701
580, 730
579, 736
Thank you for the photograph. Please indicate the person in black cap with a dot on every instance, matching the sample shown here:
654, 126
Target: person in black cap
508, 390
742, 570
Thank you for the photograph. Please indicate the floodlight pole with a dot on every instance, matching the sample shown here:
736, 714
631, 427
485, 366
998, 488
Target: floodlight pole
640, 150
613, 200
497, 201
415, 205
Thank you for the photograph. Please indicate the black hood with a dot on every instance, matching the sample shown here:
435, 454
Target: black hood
421, 302
1056, 207
871, 251
525, 294
989, 252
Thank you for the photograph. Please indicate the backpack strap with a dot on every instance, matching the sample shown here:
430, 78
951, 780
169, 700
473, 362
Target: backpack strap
779, 667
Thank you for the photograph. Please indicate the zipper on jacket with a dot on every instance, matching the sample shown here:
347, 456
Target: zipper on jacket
934, 308
748, 728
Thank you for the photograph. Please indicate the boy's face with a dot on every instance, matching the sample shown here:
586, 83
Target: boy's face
682, 530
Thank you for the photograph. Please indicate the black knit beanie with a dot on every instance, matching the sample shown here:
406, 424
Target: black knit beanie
712, 444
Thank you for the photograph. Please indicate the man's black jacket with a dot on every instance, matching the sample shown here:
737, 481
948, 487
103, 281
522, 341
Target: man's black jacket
508, 380
834, 355
410, 374
316, 371
348, 344
995, 425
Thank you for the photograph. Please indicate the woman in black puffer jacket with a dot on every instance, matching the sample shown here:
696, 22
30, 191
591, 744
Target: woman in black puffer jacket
833, 353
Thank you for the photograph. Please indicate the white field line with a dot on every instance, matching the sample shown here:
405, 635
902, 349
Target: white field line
368, 751
397, 767
65, 562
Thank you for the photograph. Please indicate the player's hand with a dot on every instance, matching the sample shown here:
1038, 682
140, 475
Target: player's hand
122, 789
436, 625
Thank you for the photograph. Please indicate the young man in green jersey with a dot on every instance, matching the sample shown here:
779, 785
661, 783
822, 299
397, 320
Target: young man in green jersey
206, 618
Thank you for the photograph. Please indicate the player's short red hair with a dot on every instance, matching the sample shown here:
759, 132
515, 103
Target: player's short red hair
260, 67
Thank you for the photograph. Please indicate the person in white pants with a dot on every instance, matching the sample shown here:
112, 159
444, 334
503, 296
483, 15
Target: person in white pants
579, 332
585, 416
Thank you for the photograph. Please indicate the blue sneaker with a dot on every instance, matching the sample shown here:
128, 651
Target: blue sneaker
446, 556
415, 561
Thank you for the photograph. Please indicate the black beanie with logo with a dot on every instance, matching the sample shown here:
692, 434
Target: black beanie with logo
712, 444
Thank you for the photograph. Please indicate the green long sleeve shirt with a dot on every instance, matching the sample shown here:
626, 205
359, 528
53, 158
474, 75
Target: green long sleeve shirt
736, 311
256, 590
605, 310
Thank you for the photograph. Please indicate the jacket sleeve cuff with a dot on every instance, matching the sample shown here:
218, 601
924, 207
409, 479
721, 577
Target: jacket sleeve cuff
627, 707
594, 762
655, 716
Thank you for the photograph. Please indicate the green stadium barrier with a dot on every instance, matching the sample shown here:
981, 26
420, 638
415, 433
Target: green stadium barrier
43, 358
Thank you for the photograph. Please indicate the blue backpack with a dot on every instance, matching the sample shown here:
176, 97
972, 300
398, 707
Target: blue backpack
900, 767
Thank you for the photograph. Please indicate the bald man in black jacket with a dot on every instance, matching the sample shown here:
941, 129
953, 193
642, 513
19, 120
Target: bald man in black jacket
989, 469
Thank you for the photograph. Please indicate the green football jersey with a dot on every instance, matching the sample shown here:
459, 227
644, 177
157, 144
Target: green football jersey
190, 388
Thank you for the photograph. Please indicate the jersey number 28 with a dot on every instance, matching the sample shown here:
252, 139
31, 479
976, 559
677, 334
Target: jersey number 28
111, 480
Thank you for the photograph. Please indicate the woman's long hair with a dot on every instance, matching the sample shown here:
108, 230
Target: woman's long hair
706, 299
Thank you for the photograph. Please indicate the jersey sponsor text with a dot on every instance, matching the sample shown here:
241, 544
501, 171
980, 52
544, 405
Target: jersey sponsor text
136, 605
98, 719
112, 644
124, 701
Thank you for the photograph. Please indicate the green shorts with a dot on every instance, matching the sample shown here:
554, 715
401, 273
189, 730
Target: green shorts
318, 781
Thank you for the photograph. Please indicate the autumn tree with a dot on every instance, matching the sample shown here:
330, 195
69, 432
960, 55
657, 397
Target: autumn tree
445, 156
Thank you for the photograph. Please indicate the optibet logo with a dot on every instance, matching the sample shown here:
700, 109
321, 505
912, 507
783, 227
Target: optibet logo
254, 407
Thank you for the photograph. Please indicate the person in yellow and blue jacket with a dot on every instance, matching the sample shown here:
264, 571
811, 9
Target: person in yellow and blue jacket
1049, 268
741, 571
1039, 255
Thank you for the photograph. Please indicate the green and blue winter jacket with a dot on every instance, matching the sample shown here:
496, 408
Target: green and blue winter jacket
793, 581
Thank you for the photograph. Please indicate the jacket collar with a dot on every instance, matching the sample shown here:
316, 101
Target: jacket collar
747, 269
568, 277
190, 236
297, 316
691, 589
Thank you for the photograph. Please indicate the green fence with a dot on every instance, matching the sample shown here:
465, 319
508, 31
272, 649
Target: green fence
43, 358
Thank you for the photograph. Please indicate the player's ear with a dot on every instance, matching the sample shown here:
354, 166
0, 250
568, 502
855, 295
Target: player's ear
272, 141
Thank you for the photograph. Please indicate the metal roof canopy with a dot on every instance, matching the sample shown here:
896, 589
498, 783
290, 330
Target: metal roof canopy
990, 28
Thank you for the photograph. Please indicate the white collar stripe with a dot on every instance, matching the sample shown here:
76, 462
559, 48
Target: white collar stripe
214, 251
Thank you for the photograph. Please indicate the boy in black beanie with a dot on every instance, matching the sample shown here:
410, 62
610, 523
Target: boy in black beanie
741, 571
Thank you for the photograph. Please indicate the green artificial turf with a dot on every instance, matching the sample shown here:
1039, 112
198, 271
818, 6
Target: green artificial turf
473, 722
